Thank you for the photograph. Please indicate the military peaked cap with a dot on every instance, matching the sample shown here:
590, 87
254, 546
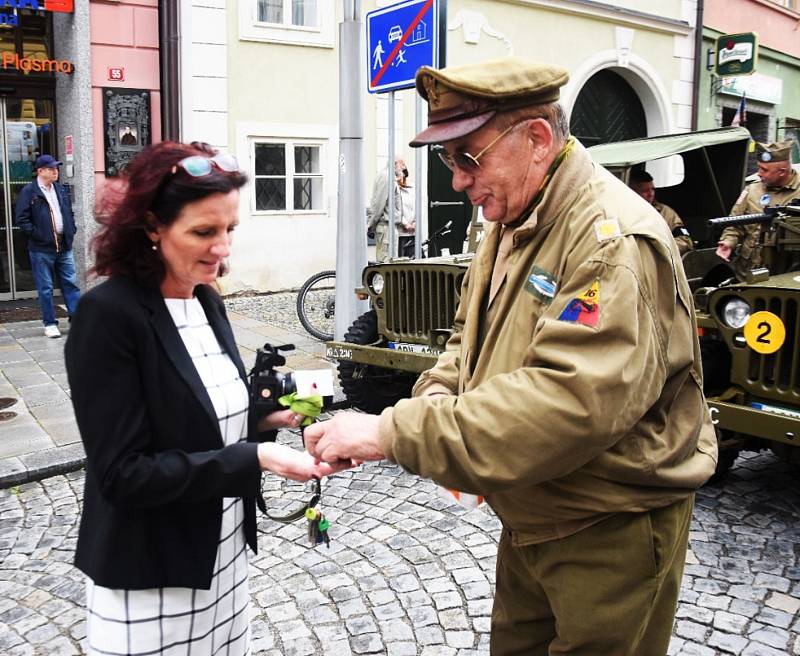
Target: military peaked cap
461, 99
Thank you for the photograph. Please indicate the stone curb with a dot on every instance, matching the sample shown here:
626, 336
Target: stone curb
65, 459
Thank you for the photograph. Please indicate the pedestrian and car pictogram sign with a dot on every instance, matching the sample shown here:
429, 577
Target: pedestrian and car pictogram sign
401, 38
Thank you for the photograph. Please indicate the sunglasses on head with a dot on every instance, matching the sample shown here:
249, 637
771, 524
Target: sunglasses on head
471, 163
199, 165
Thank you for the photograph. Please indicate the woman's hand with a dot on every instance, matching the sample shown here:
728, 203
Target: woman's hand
279, 419
295, 465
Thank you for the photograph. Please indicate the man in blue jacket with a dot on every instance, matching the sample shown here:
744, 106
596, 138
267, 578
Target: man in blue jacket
44, 213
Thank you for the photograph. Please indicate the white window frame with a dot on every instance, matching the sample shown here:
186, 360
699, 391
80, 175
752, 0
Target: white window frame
322, 36
289, 144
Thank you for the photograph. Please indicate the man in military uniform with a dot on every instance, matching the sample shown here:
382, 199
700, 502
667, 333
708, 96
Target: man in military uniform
779, 184
570, 392
642, 183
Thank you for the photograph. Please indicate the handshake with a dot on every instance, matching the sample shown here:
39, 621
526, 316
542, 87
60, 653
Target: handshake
340, 443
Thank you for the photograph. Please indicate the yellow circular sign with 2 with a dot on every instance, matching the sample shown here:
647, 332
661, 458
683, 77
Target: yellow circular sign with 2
764, 332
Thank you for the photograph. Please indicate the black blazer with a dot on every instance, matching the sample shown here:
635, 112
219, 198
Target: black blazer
156, 466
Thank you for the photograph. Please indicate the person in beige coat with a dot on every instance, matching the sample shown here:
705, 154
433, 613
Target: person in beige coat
378, 212
570, 392
642, 183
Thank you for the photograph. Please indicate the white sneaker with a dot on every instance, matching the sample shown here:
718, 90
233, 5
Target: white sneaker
52, 331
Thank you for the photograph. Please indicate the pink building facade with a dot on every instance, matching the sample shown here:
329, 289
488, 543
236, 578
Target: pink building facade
772, 91
124, 56
79, 80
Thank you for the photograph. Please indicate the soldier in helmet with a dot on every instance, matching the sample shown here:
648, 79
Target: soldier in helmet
779, 184
570, 392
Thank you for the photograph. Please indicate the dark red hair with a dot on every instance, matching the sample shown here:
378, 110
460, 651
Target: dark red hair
150, 191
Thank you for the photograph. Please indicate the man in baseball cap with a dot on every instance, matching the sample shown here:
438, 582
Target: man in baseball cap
568, 394
44, 214
778, 184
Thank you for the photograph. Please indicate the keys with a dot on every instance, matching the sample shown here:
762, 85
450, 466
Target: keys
318, 526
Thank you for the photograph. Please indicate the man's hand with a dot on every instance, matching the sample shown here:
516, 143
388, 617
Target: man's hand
348, 436
724, 251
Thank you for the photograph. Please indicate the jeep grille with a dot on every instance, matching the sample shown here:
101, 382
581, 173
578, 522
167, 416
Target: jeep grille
419, 300
774, 375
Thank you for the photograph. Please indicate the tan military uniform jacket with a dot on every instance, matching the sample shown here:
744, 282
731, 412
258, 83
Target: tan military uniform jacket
753, 199
559, 416
676, 227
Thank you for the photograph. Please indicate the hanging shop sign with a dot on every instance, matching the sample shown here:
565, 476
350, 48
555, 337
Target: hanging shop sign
737, 54
40, 5
10, 19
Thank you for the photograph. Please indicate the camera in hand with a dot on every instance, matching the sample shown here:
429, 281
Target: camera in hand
266, 384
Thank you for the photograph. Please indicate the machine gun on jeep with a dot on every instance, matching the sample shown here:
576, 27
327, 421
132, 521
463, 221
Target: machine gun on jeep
750, 343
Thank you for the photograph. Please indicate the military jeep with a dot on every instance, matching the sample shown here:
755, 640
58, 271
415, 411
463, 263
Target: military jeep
753, 398
757, 405
413, 306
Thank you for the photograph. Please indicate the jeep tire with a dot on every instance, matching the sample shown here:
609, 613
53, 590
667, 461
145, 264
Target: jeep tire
367, 387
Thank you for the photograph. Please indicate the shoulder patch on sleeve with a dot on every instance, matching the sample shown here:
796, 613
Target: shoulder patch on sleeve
585, 308
742, 196
605, 229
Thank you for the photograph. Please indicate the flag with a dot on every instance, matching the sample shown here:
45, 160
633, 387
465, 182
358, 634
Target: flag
740, 117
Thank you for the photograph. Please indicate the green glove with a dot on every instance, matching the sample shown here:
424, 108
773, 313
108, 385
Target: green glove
308, 406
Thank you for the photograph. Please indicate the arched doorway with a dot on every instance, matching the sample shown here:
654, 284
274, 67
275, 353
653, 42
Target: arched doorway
607, 109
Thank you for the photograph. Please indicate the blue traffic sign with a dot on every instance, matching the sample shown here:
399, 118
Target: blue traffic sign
400, 39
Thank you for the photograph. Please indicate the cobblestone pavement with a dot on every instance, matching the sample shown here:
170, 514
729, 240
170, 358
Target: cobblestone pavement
408, 573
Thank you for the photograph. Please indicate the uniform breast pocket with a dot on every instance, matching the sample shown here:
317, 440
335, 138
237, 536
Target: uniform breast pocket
527, 313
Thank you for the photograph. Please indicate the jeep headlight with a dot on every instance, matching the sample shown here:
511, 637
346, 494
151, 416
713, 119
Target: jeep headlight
376, 283
735, 313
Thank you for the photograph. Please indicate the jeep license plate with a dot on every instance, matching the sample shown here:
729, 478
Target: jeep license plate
338, 353
412, 348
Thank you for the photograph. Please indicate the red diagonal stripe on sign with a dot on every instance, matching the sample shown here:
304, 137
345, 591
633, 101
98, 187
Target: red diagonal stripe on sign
401, 43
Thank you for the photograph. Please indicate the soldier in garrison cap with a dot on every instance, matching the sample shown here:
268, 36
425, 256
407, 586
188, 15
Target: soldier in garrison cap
779, 184
570, 392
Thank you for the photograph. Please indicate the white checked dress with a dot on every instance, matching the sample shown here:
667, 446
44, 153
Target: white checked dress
184, 621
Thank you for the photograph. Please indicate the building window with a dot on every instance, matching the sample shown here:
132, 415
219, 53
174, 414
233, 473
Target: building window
288, 177
296, 22
301, 13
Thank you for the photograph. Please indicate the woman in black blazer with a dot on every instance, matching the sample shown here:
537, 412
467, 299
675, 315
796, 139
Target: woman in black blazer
172, 475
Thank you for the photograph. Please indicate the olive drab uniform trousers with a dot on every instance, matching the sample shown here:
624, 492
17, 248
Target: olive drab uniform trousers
570, 395
753, 199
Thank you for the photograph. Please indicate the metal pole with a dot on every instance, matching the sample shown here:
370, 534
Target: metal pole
351, 229
391, 178
422, 222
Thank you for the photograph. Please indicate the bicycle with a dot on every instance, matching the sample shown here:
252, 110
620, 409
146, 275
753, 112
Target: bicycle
316, 304
316, 300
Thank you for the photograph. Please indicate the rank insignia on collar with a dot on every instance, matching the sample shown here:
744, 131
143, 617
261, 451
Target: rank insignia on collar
608, 228
585, 308
542, 284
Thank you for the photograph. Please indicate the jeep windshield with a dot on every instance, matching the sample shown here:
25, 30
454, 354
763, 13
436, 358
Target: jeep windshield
714, 164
